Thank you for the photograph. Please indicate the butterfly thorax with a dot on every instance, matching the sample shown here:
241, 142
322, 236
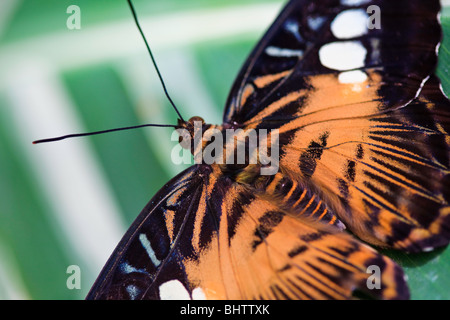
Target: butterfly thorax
227, 148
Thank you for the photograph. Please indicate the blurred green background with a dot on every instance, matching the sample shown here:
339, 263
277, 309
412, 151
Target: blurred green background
69, 202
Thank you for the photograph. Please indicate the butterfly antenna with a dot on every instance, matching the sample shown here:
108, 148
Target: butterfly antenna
153, 58
100, 132
132, 127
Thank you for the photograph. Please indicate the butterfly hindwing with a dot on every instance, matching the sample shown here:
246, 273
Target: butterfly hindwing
278, 254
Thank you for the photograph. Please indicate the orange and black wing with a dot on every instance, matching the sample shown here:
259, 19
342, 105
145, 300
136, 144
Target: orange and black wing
386, 175
362, 120
362, 145
204, 236
152, 242
393, 43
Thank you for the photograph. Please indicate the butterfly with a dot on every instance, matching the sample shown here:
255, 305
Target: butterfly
362, 132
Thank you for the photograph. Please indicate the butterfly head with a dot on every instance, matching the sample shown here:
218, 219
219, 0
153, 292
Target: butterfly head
192, 134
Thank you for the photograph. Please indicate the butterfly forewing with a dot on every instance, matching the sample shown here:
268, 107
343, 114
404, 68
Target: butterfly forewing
315, 38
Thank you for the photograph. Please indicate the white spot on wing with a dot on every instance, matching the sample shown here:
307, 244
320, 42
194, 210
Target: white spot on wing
350, 24
345, 55
198, 294
314, 23
292, 27
147, 246
376, 55
355, 76
133, 291
284, 53
126, 268
442, 90
354, 2
173, 290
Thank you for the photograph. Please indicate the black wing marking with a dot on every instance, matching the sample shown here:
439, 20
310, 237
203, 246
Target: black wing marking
402, 53
134, 265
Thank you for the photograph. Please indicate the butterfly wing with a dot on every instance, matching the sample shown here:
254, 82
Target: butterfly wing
330, 37
132, 271
389, 172
204, 236
361, 118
